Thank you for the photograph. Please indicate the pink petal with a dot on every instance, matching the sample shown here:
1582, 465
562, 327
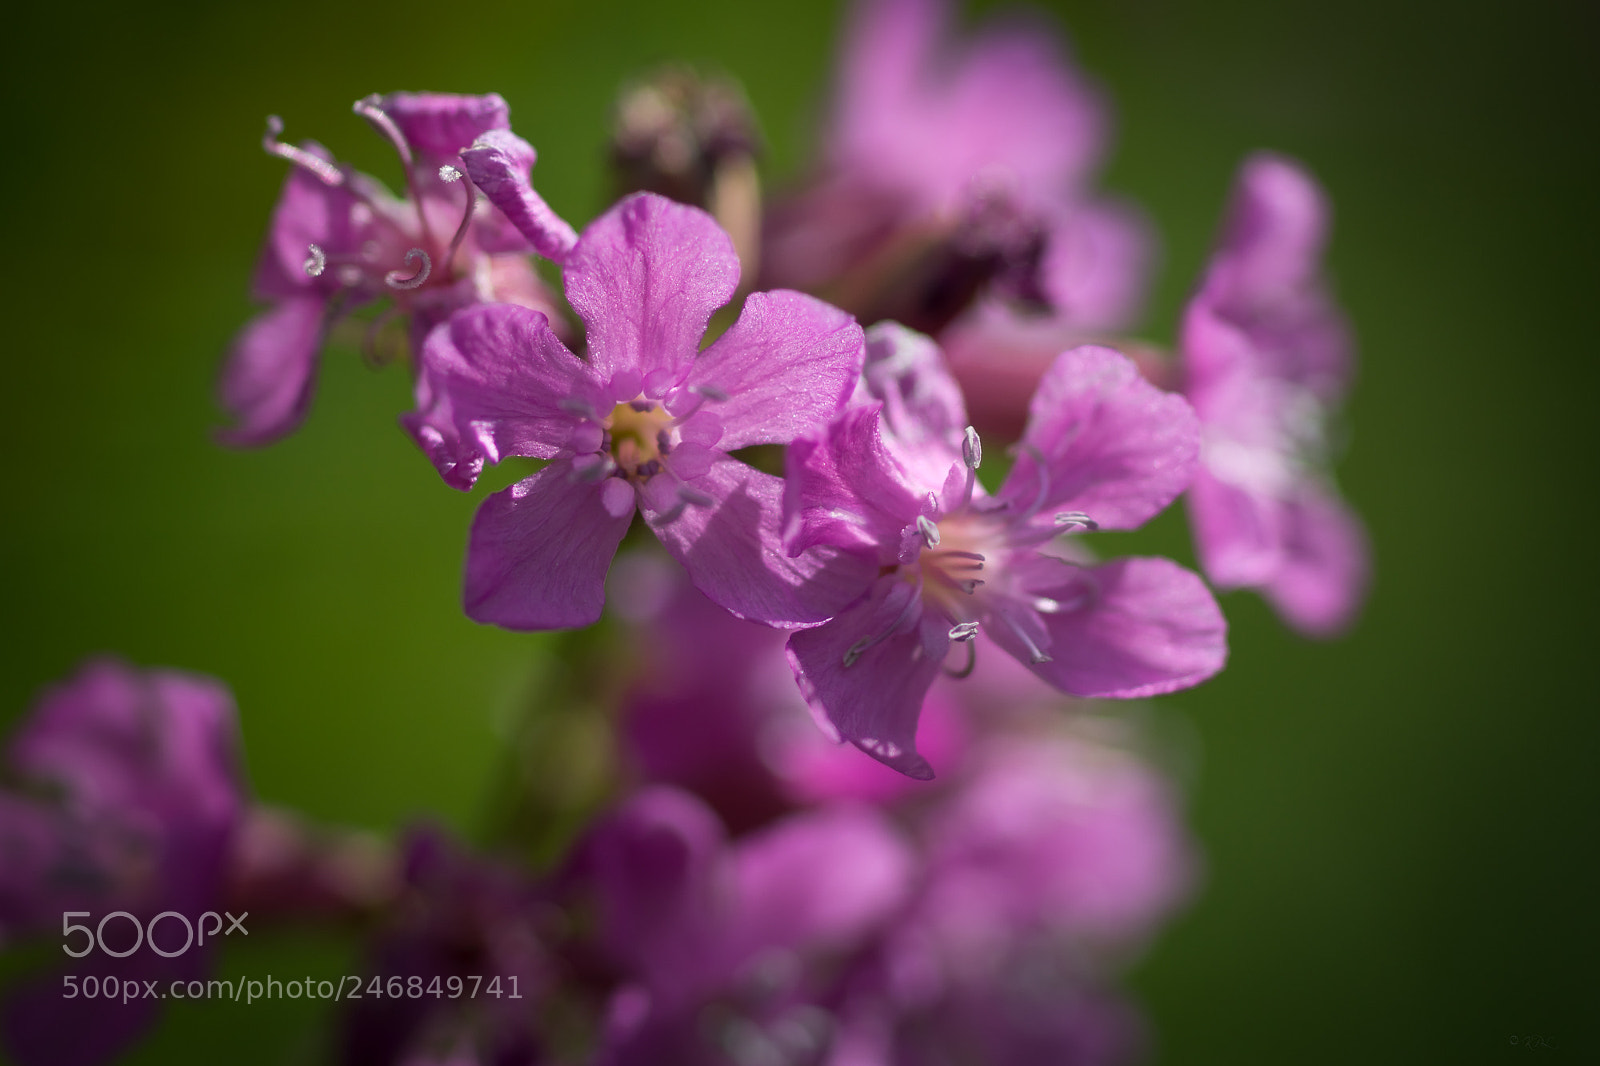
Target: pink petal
645, 278
1323, 579
875, 701
1238, 534
1265, 281
539, 551
1096, 265
308, 212
498, 163
495, 381
786, 366
923, 409
847, 489
1017, 105
817, 881
1130, 628
1114, 446
732, 550
440, 125
267, 382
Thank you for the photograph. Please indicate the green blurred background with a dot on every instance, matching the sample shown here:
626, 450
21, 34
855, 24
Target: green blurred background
1400, 827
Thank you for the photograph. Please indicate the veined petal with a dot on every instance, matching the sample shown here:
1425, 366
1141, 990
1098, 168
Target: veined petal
845, 488
267, 382
539, 551
441, 125
1323, 576
498, 163
1126, 629
645, 278
494, 381
733, 552
895, 652
786, 366
1111, 445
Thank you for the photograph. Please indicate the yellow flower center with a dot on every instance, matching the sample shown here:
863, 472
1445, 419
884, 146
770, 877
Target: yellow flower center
640, 434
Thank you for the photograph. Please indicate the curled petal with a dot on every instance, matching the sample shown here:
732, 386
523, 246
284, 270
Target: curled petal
440, 125
922, 404
498, 164
786, 366
845, 488
494, 380
730, 544
645, 278
267, 382
539, 551
1103, 441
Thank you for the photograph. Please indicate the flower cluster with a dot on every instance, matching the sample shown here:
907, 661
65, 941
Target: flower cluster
815, 487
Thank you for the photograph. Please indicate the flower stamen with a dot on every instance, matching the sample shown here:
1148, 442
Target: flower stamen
369, 108
320, 168
466, 216
396, 279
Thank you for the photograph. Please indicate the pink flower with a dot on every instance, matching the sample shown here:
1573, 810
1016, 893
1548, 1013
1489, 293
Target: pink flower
952, 170
339, 240
1266, 356
147, 791
893, 482
645, 423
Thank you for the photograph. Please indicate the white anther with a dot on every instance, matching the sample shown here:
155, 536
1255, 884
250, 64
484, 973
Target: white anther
316, 263
971, 449
929, 531
964, 631
1076, 520
449, 174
